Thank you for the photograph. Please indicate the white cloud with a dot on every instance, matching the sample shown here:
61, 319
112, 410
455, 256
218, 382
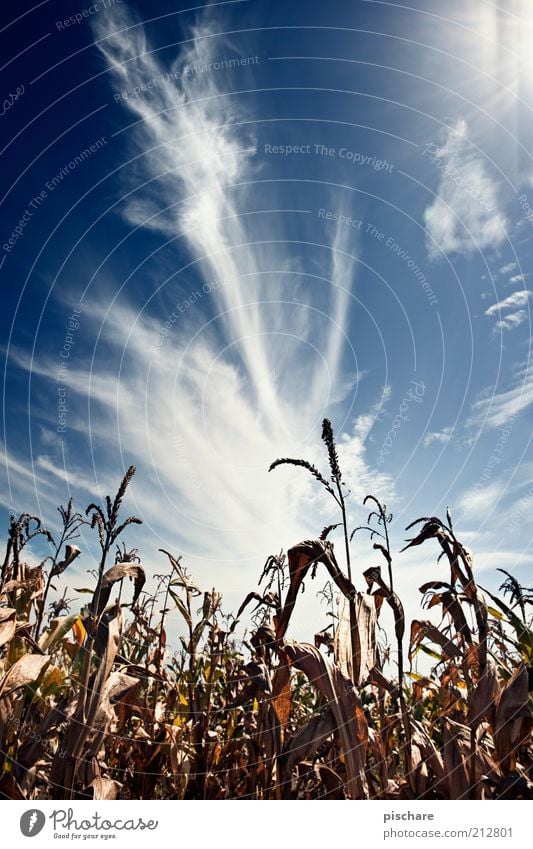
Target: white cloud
517, 299
496, 409
242, 377
478, 502
465, 215
441, 437
507, 269
517, 278
514, 319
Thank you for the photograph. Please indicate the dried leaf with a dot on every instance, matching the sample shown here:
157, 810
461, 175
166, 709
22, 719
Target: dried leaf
104, 788
346, 707
455, 739
486, 692
117, 573
23, 672
57, 630
282, 694
71, 552
301, 557
421, 629
365, 638
513, 719
8, 624
310, 737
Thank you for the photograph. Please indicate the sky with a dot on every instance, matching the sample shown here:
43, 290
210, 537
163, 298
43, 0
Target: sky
223, 222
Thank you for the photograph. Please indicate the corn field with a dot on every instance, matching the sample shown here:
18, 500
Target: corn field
94, 704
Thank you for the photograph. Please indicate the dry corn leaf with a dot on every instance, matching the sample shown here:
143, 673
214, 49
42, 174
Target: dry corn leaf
282, 694
23, 672
104, 788
117, 573
486, 692
346, 707
310, 737
8, 624
301, 557
455, 737
513, 719
365, 637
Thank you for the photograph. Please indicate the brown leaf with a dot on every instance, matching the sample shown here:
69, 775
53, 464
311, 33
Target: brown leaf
513, 719
365, 638
10, 586
345, 704
301, 557
117, 573
10, 787
23, 672
342, 640
98, 689
282, 694
378, 679
421, 629
180, 761
71, 552
454, 753
104, 788
452, 606
431, 755
310, 737
8, 624
431, 530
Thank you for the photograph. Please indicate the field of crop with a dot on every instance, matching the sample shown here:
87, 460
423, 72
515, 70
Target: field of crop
93, 704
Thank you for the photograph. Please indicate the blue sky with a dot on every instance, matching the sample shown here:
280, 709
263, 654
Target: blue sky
222, 224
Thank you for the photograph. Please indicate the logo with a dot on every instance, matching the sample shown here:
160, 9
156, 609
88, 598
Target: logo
32, 822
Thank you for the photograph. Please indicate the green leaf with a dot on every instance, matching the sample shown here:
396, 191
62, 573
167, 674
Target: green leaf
524, 634
181, 607
431, 653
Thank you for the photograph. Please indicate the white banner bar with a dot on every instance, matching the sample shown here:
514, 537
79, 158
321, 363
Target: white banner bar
254, 825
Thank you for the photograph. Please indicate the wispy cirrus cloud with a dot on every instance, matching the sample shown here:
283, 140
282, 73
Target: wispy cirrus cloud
466, 214
495, 409
477, 504
246, 373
